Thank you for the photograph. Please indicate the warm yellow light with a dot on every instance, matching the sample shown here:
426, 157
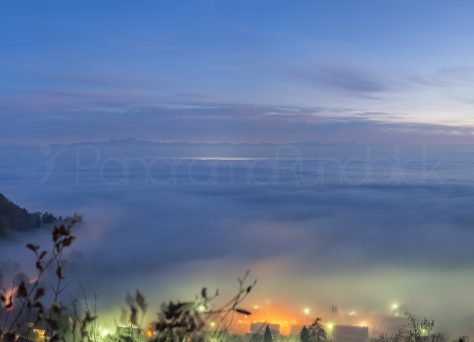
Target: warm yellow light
306, 311
353, 313
201, 308
41, 334
149, 333
105, 332
363, 324
256, 307
395, 306
213, 324
330, 326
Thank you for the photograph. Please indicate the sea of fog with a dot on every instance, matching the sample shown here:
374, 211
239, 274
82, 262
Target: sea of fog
357, 229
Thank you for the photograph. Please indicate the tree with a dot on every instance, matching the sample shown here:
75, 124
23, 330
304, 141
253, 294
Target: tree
317, 332
304, 335
419, 330
267, 337
415, 330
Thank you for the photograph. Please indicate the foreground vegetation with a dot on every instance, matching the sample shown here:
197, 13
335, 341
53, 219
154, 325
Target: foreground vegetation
31, 312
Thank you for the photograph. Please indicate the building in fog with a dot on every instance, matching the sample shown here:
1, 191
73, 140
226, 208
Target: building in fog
296, 329
259, 328
386, 325
350, 333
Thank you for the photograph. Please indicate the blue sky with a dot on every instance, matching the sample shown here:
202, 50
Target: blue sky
361, 71
237, 71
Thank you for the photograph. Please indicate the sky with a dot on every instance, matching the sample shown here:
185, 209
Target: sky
353, 226
366, 71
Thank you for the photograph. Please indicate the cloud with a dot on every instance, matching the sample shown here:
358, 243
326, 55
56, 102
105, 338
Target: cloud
343, 78
341, 218
325, 209
447, 77
71, 117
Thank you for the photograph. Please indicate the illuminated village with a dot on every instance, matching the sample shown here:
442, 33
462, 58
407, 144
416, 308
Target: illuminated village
264, 324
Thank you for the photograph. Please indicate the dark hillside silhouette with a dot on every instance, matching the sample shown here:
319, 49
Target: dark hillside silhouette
15, 218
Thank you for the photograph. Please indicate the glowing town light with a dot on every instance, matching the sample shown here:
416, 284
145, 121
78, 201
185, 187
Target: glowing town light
149, 333
424, 332
395, 306
105, 332
41, 334
213, 324
256, 307
306, 311
201, 308
353, 313
330, 326
363, 324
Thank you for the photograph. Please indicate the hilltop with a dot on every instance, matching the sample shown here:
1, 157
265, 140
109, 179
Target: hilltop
14, 218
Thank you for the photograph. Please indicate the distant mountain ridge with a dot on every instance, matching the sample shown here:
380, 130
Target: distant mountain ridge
86, 154
14, 218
